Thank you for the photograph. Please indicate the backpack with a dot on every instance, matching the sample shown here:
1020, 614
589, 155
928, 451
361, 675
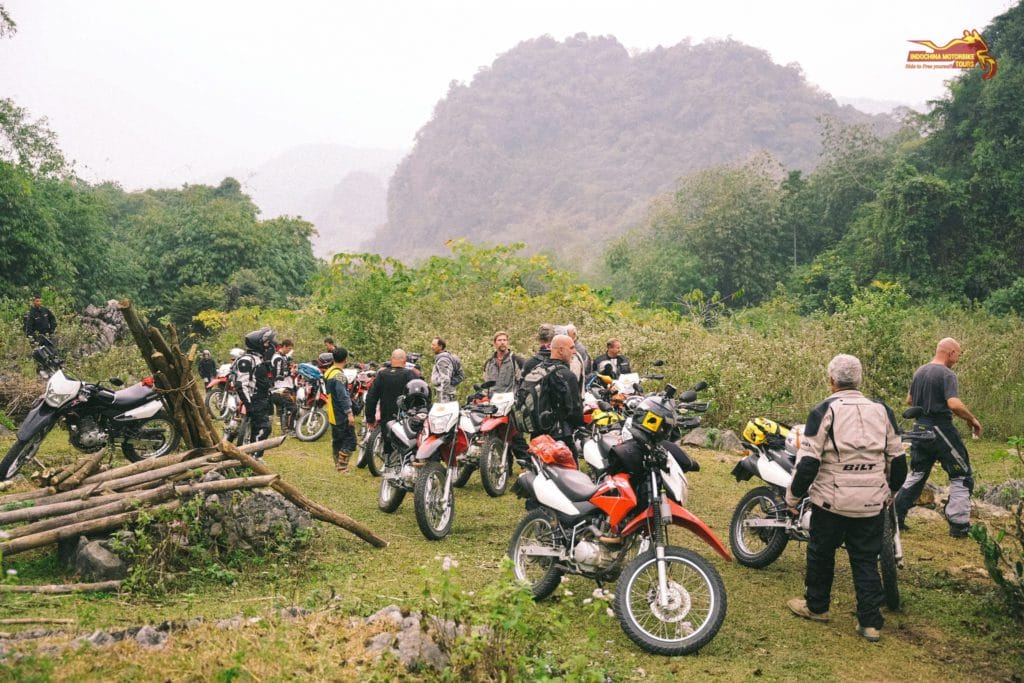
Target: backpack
532, 408
457, 374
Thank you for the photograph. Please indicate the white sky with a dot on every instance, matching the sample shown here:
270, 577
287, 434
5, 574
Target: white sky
171, 92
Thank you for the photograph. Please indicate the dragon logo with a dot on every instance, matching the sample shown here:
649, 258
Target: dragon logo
959, 53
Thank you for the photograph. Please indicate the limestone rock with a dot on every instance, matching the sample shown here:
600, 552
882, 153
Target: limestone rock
728, 441
95, 562
925, 514
696, 437
149, 637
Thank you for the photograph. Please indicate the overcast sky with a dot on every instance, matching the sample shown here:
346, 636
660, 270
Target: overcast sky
172, 92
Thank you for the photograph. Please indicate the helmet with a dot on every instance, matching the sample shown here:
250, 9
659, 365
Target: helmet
417, 394
793, 439
761, 429
236, 353
325, 359
653, 419
260, 340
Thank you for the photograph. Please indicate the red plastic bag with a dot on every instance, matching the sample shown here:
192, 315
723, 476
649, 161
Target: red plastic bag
552, 452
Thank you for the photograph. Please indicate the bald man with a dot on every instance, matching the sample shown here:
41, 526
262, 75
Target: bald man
934, 388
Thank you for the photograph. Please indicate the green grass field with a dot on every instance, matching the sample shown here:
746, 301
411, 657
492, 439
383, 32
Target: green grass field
949, 629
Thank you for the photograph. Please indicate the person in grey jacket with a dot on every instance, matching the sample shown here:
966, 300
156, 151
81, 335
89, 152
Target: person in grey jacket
850, 461
503, 367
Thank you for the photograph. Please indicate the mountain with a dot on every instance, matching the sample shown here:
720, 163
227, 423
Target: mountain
560, 144
341, 190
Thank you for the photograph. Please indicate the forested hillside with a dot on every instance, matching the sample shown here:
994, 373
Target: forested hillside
575, 138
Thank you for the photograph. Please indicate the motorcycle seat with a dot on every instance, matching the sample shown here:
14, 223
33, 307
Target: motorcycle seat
783, 459
607, 442
576, 486
133, 396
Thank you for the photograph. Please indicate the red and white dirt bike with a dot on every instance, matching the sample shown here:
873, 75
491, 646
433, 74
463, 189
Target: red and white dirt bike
494, 457
452, 431
669, 600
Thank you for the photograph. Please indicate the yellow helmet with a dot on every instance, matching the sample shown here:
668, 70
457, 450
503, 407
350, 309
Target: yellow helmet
760, 429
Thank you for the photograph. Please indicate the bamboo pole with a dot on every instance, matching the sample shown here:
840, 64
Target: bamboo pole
63, 588
294, 495
91, 464
92, 526
27, 495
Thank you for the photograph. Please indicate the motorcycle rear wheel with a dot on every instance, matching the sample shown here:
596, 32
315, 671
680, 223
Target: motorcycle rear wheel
311, 424
696, 602
887, 562
151, 438
434, 512
760, 546
390, 497
541, 574
375, 454
465, 472
495, 466
19, 454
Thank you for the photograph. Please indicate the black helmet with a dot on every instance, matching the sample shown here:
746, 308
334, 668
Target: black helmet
325, 359
260, 340
654, 419
417, 394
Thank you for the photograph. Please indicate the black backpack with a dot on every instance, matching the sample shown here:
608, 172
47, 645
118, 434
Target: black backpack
532, 409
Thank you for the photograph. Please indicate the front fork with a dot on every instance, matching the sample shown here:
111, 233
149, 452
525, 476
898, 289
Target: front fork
660, 538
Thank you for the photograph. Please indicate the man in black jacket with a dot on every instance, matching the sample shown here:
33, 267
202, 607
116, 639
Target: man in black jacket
544, 335
39, 322
563, 393
387, 386
207, 366
619, 364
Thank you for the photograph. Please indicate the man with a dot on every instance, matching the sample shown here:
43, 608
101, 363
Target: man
503, 367
329, 344
849, 460
612, 360
443, 374
39, 322
545, 334
934, 388
207, 366
254, 378
563, 394
581, 350
388, 385
339, 411
283, 394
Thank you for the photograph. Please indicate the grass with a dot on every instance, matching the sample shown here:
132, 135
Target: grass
949, 629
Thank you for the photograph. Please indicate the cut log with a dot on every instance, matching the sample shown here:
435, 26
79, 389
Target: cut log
27, 495
294, 495
63, 588
18, 545
36, 620
91, 464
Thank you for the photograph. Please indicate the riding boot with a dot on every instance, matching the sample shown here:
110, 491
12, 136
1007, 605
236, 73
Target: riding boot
341, 462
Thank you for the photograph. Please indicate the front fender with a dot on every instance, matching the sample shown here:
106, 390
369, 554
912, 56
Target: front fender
430, 446
684, 518
39, 420
493, 423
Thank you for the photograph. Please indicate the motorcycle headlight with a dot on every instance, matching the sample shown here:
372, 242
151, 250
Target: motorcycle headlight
60, 390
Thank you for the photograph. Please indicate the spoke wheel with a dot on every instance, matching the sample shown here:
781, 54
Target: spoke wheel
757, 547
540, 573
21, 452
217, 403
495, 466
434, 510
686, 617
151, 438
311, 425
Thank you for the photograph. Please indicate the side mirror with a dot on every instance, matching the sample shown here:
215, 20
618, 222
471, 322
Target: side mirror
913, 412
658, 363
486, 385
116, 381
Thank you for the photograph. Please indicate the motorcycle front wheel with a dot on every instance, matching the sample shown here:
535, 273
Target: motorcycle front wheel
19, 454
757, 547
495, 466
536, 531
151, 438
435, 511
311, 424
217, 403
887, 561
690, 614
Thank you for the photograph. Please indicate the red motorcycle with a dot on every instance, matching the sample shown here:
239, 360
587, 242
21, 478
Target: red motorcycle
311, 397
496, 435
221, 397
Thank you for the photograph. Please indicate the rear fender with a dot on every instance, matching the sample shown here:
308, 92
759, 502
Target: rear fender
40, 420
746, 468
684, 518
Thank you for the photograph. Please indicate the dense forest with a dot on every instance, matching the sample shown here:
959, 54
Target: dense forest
579, 136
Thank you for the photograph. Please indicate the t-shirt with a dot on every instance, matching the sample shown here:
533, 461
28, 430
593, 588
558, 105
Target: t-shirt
932, 386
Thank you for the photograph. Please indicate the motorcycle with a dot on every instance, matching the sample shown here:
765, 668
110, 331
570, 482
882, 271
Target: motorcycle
669, 600
496, 434
359, 380
96, 417
48, 361
311, 397
221, 398
451, 438
762, 524
398, 474
624, 392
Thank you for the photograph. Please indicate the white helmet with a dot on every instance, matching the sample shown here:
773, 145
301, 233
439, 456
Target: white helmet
793, 439
236, 353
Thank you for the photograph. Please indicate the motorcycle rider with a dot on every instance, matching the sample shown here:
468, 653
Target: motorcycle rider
39, 322
849, 461
339, 411
934, 388
283, 393
612, 360
563, 395
388, 385
503, 367
254, 378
